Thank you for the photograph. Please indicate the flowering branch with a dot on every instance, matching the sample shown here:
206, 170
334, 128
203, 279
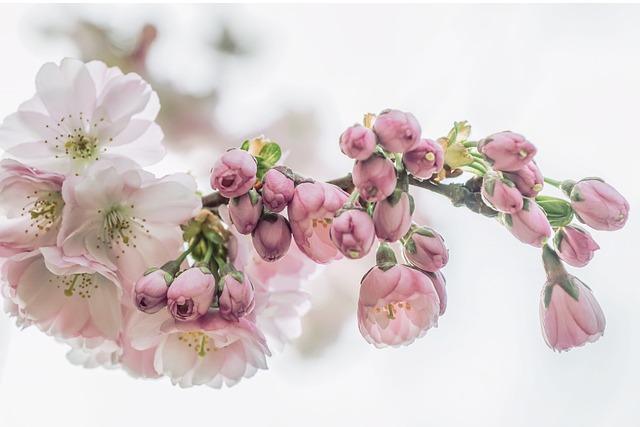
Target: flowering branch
88, 228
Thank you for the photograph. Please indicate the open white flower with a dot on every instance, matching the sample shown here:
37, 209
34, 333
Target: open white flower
126, 218
71, 298
32, 203
82, 113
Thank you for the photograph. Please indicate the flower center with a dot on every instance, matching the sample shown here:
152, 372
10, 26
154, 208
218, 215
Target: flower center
321, 222
119, 226
198, 341
391, 309
44, 211
77, 137
75, 284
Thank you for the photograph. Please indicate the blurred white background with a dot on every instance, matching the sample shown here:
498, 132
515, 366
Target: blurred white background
566, 76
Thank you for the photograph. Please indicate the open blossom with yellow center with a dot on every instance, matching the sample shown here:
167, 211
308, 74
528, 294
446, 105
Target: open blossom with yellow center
126, 218
32, 203
82, 113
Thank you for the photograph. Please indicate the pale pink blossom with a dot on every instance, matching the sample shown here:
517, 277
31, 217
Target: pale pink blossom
272, 237
425, 249
440, 284
501, 194
425, 159
236, 299
277, 188
569, 322
124, 218
191, 294
234, 173
245, 211
66, 297
396, 306
529, 180
599, 205
358, 142
151, 290
32, 203
574, 245
311, 212
375, 178
507, 151
397, 131
353, 233
392, 220
82, 113
210, 350
529, 225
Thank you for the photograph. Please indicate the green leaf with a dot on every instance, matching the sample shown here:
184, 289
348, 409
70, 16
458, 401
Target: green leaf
263, 167
245, 145
270, 153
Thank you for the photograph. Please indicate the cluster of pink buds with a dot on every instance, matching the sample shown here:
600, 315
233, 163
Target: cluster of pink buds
210, 284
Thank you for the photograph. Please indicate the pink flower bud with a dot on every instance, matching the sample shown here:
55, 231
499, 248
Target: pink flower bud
501, 194
392, 216
358, 142
311, 212
440, 284
528, 180
599, 205
426, 250
245, 211
234, 173
237, 297
353, 233
425, 159
529, 225
507, 151
570, 321
272, 237
151, 291
396, 305
277, 190
397, 131
575, 246
375, 178
191, 294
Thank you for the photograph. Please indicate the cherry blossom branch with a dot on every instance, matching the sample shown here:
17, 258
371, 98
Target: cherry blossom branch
467, 194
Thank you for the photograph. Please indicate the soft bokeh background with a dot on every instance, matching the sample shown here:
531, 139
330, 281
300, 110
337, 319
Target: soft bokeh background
566, 76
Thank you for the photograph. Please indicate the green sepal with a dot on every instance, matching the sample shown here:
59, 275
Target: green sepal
459, 133
410, 246
508, 220
508, 182
149, 271
557, 239
412, 204
567, 187
489, 184
395, 197
270, 153
235, 201
570, 287
424, 231
547, 296
245, 145
168, 278
237, 275
558, 211
254, 197
263, 167
385, 257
